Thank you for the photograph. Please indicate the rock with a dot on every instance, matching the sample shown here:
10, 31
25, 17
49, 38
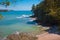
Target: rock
21, 36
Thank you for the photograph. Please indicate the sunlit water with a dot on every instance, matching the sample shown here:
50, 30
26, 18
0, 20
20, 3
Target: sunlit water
10, 23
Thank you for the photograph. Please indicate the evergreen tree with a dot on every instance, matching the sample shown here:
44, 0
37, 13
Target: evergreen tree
48, 11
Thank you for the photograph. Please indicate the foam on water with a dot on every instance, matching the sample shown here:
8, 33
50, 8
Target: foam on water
24, 16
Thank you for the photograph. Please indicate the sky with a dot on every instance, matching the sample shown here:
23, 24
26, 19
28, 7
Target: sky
20, 4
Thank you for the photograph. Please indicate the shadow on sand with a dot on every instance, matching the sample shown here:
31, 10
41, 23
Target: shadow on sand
53, 29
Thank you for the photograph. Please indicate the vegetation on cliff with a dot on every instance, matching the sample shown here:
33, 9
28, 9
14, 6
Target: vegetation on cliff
47, 12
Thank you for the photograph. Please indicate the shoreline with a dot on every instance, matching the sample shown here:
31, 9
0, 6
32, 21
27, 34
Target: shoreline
33, 33
43, 36
39, 35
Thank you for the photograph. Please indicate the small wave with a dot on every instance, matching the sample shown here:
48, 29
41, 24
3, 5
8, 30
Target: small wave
24, 16
32, 19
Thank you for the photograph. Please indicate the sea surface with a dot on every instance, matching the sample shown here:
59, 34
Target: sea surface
13, 21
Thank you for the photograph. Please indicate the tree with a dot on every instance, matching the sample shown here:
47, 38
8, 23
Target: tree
33, 7
48, 11
6, 3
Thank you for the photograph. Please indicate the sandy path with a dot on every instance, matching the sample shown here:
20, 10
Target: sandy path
47, 36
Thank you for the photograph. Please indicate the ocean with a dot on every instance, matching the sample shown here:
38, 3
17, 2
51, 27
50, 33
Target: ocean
13, 21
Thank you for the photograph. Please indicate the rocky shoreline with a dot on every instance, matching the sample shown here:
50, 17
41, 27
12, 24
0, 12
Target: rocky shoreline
39, 34
26, 35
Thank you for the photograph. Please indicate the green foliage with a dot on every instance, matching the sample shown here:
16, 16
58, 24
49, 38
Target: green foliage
48, 11
1, 16
33, 7
7, 2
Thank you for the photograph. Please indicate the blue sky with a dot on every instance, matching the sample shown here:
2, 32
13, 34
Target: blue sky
21, 4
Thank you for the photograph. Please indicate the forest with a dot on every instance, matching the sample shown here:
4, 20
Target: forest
47, 13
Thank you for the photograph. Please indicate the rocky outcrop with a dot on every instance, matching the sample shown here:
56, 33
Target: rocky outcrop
21, 36
27, 35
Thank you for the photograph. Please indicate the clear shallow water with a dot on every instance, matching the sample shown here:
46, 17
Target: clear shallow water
10, 23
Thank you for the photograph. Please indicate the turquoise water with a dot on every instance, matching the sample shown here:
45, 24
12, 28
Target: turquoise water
10, 23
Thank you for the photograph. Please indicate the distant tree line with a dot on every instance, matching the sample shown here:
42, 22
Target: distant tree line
47, 12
